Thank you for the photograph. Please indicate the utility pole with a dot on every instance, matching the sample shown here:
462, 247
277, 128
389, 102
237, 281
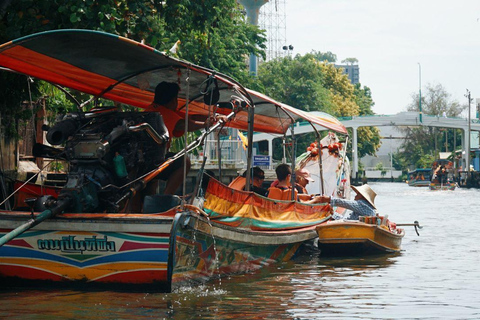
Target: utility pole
391, 159
420, 91
467, 147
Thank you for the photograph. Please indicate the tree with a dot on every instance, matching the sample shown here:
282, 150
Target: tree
297, 81
324, 56
353, 101
363, 98
350, 61
214, 34
308, 84
421, 144
435, 101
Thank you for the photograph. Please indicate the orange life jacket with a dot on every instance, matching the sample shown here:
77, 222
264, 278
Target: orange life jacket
281, 193
238, 183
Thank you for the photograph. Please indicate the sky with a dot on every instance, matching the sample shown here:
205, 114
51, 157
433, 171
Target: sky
399, 44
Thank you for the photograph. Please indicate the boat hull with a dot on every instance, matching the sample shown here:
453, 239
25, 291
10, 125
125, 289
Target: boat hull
205, 249
88, 249
446, 186
419, 183
357, 238
137, 251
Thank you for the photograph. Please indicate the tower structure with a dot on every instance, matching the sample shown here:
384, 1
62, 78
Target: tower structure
252, 7
273, 19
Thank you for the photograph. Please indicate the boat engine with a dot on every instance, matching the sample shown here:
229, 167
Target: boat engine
106, 152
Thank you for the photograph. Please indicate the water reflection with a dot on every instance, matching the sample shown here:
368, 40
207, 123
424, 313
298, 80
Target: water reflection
434, 277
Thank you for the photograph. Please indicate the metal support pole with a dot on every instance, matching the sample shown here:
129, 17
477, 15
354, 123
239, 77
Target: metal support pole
251, 114
355, 154
420, 91
467, 134
293, 178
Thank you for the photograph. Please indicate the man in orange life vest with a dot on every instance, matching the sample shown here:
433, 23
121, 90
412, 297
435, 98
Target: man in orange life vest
282, 190
166, 101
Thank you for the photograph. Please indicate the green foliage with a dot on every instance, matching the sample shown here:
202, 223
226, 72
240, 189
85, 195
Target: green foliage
214, 34
422, 144
308, 84
435, 101
363, 98
368, 141
381, 168
297, 82
398, 162
425, 161
11, 110
178, 144
324, 56
350, 61
138, 20
57, 102
341, 90
57, 166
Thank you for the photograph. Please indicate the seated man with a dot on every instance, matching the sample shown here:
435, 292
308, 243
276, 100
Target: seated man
283, 189
257, 181
362, 205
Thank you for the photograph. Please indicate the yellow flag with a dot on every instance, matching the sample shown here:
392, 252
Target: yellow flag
244, 140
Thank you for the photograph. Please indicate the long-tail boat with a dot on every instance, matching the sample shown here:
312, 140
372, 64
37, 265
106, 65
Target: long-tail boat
419, 178
93, 232
344, 237
442, 177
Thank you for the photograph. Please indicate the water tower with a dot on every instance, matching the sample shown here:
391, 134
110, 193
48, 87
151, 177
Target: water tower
253, 10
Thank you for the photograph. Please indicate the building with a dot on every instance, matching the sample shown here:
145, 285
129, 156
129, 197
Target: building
352, 71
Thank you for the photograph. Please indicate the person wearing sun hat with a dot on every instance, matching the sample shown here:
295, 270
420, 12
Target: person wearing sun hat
302, 178
362, 205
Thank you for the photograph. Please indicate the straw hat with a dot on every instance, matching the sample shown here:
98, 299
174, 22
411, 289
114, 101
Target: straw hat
366, 192
304, 173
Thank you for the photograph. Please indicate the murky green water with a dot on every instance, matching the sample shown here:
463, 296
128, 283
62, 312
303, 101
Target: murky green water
436, 276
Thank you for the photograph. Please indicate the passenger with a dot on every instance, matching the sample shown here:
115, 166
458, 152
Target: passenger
166, 101
440, 174
283, 189
302, 178
362, 205
257, 181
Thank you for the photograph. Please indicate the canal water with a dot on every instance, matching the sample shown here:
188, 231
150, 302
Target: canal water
436, 276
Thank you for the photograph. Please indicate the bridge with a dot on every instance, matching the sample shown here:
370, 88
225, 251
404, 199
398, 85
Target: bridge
401, 119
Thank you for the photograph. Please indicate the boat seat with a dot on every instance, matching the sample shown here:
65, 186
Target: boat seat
238, 183
280, 194
160, 203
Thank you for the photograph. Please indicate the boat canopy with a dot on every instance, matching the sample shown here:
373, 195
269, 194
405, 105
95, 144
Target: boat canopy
125, 71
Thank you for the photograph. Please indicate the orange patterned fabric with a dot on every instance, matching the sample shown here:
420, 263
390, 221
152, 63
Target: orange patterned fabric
248, 209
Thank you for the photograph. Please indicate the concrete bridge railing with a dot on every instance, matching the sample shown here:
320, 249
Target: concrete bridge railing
400, 119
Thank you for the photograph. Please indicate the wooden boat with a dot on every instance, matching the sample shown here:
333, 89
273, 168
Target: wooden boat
442, 177
239, 232
102, 228
343, 237
419, 178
